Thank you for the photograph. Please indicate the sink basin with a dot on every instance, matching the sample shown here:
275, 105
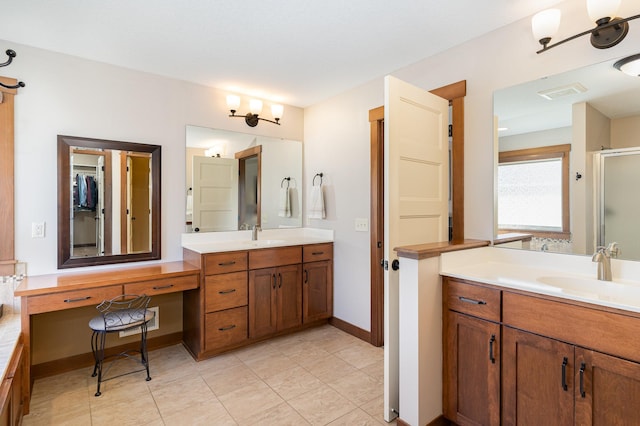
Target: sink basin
265, 243
603, 290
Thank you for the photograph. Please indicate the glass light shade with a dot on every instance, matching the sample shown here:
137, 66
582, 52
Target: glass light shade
255, 106
277, 110
598, 9
233, 102
545, 24
630, 65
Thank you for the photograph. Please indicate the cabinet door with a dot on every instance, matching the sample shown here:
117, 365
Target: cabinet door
472, 370
537, 380
607, 389
317, 291
289, 292
263, 314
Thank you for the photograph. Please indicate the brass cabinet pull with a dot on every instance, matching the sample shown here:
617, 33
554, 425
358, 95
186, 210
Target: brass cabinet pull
316, 253
233, 262
492, 358
565, 361
230, 327
227, 291
79, 299
474, 301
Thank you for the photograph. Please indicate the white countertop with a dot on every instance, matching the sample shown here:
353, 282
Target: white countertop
565, 276
9, 334
214, 242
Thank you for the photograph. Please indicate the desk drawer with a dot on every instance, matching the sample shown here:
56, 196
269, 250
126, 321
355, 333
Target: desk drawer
162, 285
221, 263
225, 291
225, 328
71, 299
315, 252
473, 299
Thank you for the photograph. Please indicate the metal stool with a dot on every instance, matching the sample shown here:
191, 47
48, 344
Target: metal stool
121, 313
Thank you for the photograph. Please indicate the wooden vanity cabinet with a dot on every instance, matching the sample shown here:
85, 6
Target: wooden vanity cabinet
471, 391
317, 284
275, 292
563, 363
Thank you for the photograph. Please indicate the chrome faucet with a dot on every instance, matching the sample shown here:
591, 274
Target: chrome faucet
254, 232
603, 257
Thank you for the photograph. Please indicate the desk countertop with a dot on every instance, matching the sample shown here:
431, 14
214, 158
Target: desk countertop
54, 283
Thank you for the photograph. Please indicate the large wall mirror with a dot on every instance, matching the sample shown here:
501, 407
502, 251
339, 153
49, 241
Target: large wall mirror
108, 202
237, 180
568, 168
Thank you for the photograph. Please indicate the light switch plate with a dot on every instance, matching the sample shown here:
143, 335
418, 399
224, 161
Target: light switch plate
362, 224
37, 230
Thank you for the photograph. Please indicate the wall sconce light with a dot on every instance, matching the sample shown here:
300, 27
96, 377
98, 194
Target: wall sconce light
255, 109
608, 32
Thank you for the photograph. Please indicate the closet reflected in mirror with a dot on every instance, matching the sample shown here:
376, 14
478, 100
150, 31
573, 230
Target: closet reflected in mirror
108, 202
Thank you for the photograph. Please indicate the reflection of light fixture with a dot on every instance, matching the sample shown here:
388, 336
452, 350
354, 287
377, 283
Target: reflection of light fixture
255, 108
608, 32
629, 65
216, 150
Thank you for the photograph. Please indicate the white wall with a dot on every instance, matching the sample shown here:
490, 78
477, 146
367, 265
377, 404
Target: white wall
65, 95
337, 132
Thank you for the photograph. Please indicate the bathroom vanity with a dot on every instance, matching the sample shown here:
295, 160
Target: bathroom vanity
254, 290
527, 345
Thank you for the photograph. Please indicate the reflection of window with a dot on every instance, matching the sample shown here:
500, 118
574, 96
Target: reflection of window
533, 191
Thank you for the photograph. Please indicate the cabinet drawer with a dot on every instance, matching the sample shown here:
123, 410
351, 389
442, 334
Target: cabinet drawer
472, 299
225, 328
225, 291
71, 299
221, 263
269, 258
314, 252
162, 285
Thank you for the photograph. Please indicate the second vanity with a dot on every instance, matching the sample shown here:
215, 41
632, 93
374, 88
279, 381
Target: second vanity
251, 290
534, 338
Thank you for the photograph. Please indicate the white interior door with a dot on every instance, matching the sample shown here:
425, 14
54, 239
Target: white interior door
416, 194
215, 194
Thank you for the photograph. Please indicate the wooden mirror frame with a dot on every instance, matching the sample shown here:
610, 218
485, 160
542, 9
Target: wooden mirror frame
65, 144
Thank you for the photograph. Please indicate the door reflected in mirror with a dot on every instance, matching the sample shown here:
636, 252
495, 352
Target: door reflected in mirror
238, 180
108, 202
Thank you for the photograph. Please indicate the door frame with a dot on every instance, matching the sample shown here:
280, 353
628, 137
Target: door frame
455, 94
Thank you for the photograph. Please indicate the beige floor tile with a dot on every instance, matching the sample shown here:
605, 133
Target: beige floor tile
356, 417
270, 365
182, 393
361, 355
138, 408
70, 407
358, 387
205, 413
330, 368
248, 401
258, 350
280, 415
375, 370
218, 363
293, 382
322, 405
230, 379
375, 407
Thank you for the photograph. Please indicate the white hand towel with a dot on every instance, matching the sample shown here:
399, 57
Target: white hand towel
284, 203
316, 209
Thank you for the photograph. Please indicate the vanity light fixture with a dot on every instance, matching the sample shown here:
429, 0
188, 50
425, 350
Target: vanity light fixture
629, 65
609, 30
255, 109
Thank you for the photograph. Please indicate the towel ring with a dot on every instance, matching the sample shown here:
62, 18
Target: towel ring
314, 178
288, 179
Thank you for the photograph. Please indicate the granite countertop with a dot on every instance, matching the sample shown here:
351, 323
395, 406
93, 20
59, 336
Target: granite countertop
9, 335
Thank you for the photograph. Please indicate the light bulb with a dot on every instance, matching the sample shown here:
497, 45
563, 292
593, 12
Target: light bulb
255, 106
276, 111
545, 24
233, 102
598, 9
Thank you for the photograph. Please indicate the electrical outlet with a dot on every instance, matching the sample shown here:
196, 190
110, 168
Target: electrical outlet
37, 230
362, 224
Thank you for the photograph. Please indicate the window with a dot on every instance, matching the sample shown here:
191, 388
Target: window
533, 191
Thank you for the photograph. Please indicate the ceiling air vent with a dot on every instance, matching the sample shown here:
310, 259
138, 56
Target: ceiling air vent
558, 92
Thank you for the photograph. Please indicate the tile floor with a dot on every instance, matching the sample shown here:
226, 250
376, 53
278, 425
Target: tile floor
320, 376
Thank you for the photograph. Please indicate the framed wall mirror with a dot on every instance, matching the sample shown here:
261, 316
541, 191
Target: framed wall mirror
590, 117
238, 180
108, 202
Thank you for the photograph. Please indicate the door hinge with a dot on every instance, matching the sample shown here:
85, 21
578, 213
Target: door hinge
384, 264
450, 130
